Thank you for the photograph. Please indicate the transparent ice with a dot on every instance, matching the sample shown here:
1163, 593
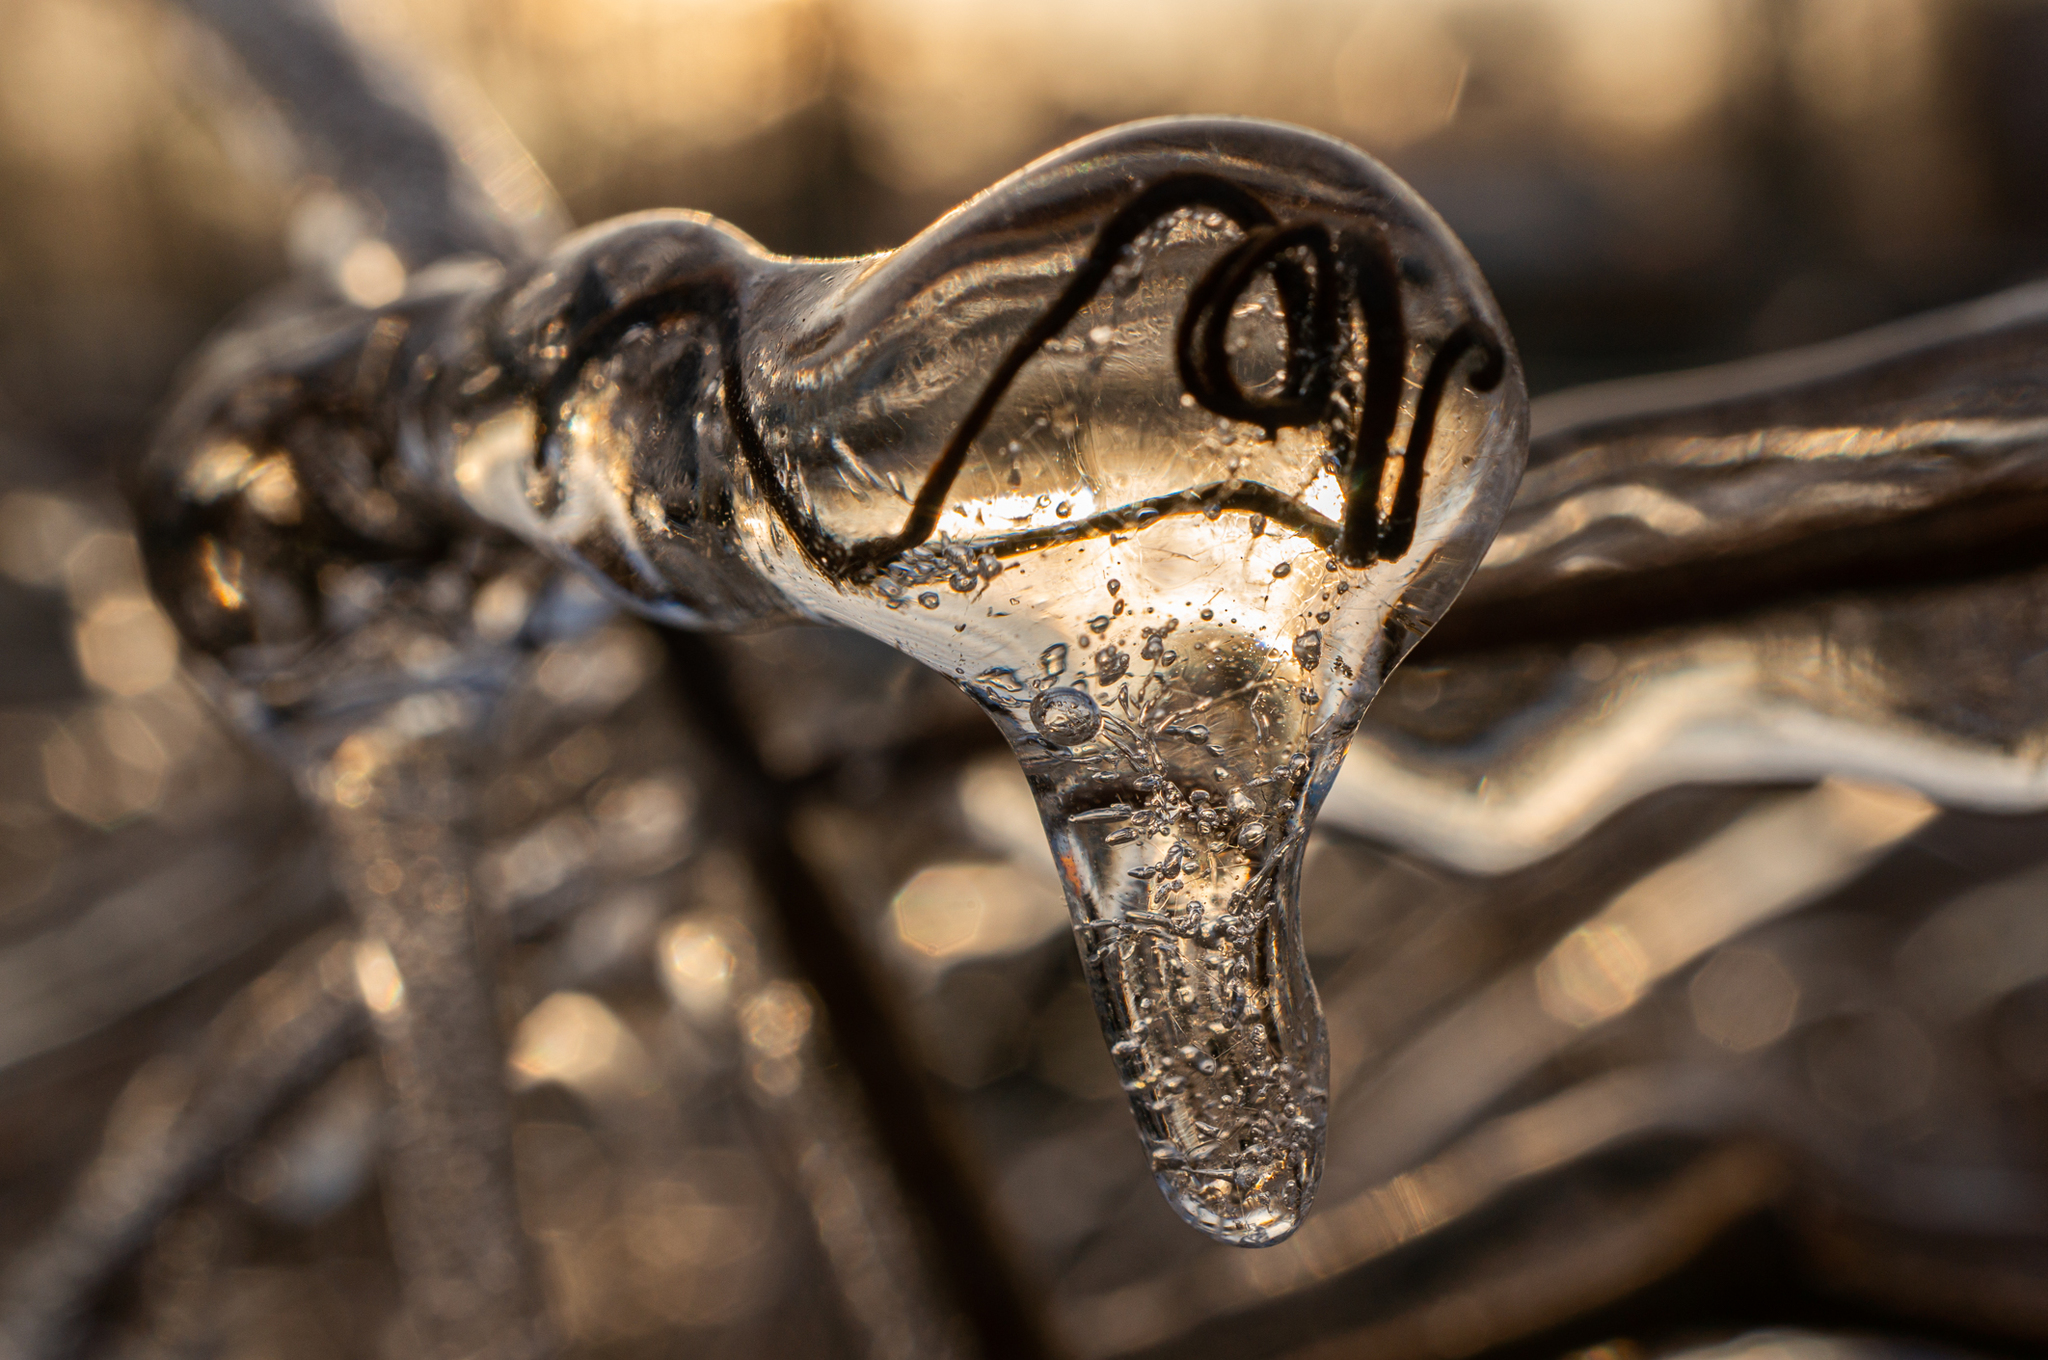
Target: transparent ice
1166, 450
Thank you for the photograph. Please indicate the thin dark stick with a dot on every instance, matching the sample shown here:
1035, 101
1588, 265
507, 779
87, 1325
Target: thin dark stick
870, 1039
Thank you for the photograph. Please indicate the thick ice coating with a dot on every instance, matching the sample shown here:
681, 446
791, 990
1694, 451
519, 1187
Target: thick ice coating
1165, 449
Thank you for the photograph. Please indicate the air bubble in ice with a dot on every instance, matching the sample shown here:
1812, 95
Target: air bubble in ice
1065, 717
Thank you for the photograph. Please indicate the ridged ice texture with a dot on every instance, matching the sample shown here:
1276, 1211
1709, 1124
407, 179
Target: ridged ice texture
1165, 449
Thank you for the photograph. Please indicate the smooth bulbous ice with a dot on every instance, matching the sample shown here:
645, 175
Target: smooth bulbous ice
1165, 449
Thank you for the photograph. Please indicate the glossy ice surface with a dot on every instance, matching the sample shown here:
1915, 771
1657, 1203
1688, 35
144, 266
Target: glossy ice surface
1165, 449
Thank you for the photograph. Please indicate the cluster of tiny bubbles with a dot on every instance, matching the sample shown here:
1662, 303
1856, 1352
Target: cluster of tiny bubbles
1169, 741
962, 568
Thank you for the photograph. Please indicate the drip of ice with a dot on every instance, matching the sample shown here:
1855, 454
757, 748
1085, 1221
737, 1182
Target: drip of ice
1165, 449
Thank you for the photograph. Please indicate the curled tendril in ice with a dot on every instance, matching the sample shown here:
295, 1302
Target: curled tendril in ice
1344, 273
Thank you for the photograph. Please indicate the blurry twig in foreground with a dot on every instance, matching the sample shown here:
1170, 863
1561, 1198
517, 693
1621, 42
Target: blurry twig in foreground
283, 1035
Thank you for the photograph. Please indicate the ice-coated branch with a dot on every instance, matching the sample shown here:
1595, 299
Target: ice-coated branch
1166, 449
428, 158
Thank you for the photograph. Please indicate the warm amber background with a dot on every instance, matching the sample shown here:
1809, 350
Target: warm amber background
1647, 184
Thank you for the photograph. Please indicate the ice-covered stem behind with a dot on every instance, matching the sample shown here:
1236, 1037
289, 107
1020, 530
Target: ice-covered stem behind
430, 164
